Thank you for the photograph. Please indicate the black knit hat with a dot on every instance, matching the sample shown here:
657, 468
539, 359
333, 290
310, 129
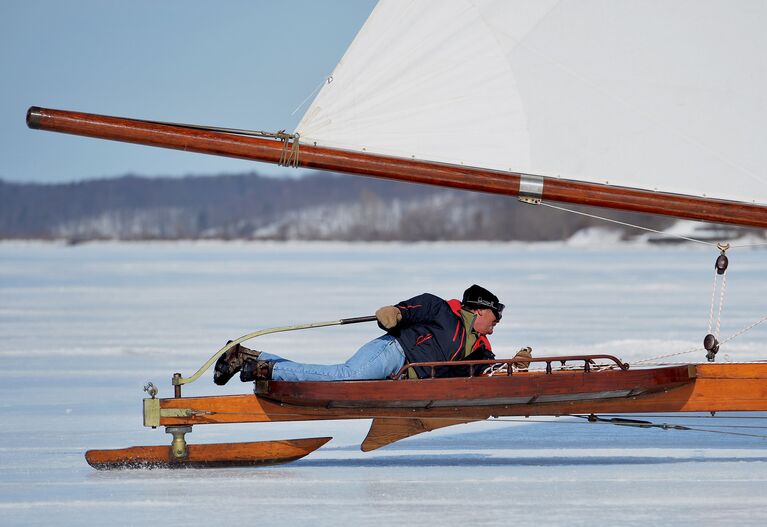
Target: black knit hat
477, 297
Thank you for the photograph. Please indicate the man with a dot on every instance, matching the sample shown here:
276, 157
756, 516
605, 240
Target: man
424, 328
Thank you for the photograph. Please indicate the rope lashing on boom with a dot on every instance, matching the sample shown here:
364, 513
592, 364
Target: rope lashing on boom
289, 156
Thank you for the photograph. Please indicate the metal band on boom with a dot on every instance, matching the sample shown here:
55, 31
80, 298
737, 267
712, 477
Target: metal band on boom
530, 189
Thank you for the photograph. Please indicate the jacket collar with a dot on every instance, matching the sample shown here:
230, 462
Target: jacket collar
455, 307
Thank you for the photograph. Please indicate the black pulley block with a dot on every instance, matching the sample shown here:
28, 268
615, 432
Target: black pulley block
711, 345
721, 264
710, 342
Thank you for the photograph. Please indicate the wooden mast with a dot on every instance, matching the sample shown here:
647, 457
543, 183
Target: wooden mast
227, 144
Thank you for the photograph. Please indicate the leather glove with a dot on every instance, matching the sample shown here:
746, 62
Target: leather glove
388, 317
524, 353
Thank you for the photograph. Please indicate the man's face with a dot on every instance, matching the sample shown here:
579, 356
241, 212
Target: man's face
485, 321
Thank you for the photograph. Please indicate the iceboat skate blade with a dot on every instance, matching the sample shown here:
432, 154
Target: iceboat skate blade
216, 455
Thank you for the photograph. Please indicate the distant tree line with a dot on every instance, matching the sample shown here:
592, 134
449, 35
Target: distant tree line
249, 207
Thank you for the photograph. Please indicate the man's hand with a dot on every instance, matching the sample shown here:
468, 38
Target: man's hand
388, 317
524, 353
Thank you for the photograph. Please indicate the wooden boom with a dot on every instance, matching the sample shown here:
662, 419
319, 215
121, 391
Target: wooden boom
223, 143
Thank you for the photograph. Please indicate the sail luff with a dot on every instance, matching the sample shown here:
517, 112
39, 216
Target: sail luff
408, 170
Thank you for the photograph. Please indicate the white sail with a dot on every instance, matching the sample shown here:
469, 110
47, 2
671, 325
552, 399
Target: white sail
660, 95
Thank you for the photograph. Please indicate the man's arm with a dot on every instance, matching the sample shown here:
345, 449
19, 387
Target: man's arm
421, 308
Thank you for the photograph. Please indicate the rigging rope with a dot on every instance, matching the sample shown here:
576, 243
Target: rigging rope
721, 305
598, 421
711, 309
711, 342
647, 362
610, 220
743, 245
686, 416
327, 80
648, 229
747, 328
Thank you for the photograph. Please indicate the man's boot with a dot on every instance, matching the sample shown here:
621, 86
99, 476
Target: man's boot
231, 362
256, 370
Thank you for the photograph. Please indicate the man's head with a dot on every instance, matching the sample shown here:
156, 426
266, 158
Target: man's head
487, 307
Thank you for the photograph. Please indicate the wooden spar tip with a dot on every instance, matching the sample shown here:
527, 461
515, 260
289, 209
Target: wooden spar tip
34, 113
218, 455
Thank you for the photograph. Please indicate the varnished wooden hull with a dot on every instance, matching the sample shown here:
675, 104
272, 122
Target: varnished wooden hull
715, 388
517, 389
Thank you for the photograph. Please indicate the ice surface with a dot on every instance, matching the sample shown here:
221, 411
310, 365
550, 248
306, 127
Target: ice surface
83, 328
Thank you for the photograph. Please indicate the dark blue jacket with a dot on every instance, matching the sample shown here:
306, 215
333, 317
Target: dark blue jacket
431, 330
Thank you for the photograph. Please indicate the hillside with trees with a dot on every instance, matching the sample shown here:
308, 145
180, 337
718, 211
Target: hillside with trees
254, 207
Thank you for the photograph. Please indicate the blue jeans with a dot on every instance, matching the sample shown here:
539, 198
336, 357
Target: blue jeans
377, 359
